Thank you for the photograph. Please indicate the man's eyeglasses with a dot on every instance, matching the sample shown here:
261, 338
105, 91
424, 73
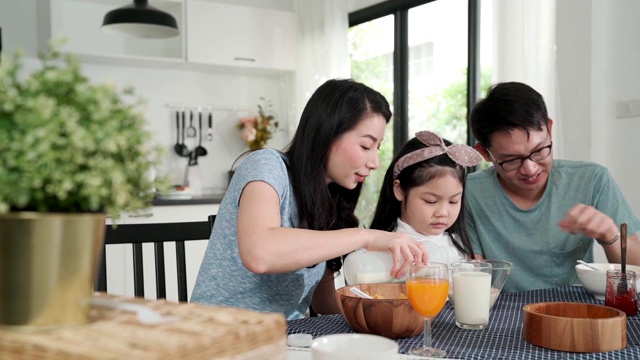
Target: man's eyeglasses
515, 164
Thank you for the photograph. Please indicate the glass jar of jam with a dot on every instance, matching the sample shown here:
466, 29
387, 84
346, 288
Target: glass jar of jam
621, 291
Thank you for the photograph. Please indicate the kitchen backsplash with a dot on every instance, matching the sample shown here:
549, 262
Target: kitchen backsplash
230, 97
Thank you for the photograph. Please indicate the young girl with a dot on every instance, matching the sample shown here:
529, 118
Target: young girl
285, 216
421, 196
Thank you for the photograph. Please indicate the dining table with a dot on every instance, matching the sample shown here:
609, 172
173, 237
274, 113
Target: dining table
501, 339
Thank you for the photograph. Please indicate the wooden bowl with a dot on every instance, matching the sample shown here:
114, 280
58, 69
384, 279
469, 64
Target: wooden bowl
390, 317
575, 327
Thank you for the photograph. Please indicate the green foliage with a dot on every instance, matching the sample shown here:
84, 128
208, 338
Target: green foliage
67, 145
373, 71
446, 112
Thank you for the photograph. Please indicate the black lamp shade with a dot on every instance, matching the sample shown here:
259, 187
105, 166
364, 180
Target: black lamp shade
141, 20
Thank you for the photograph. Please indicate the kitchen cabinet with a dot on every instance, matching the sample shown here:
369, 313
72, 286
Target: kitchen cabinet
212, 35
79, 22
240, 36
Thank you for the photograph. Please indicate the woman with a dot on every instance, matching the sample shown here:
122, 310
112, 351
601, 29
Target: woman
288, 217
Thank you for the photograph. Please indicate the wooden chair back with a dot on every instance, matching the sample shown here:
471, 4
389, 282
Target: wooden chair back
158, 234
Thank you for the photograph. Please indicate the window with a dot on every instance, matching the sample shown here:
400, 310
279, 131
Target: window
371, 53
416, 53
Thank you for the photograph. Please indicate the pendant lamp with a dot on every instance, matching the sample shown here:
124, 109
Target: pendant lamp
141, 20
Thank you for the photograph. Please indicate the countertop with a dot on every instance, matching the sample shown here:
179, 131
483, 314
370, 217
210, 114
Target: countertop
194, 200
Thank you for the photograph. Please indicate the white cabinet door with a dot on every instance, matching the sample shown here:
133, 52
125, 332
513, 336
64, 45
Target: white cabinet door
232, 35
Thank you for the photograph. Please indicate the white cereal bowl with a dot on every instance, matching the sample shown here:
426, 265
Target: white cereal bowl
353, 347
596, 281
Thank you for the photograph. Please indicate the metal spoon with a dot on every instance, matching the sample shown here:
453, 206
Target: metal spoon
360, 293
622, 285
588, 265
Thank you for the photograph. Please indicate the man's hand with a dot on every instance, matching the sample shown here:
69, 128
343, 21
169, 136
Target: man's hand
587, 220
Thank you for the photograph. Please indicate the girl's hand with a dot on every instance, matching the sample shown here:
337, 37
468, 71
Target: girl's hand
402, 247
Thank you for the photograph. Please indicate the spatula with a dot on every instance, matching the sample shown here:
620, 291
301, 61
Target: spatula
622, 285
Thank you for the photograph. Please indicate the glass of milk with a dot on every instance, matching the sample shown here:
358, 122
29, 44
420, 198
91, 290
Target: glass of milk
471, 281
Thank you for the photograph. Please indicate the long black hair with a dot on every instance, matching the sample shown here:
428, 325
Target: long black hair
336, 107
388, 209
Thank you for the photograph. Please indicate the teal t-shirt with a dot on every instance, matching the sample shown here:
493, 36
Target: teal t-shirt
223, 279
543, 256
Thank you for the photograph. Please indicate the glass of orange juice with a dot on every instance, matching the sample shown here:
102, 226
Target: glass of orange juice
427, 289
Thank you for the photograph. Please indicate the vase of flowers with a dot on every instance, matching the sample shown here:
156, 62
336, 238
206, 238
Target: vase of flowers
71, 152
257, 130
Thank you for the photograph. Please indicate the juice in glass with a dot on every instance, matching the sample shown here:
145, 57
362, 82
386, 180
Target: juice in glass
427, 296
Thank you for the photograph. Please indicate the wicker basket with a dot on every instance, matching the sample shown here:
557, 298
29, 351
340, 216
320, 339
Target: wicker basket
203, 332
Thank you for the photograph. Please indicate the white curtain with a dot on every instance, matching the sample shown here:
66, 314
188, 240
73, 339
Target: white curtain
525, 51
323, 52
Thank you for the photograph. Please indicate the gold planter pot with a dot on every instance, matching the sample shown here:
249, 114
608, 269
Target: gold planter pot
48, 264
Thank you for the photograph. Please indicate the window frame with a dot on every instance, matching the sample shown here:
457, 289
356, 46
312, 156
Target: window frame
400, 10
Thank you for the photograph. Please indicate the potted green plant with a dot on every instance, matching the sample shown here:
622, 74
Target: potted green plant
71, 152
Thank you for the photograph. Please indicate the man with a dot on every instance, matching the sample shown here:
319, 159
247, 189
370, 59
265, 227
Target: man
540, 214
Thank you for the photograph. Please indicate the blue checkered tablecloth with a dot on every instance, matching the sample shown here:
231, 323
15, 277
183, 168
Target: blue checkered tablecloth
502, 339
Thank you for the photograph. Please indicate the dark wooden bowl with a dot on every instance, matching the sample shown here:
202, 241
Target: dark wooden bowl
390, 317
574, 327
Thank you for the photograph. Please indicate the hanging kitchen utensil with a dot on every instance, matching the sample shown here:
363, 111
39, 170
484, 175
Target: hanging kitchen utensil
179, 147
191, 130
184, 124
622, 285
210, 130
193, 175
200, 150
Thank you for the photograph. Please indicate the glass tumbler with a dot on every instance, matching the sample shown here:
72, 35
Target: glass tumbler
621, 291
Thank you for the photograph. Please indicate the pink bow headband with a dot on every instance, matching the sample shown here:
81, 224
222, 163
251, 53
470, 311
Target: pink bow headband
463, 155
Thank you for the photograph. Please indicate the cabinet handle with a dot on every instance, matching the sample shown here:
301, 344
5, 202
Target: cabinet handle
145, 215
244, 59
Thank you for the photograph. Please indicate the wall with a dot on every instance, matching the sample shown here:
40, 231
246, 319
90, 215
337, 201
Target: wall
231, 95
622, 52
598, 52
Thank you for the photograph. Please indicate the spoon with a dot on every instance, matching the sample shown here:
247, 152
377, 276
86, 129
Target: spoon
622, 285
200, 150
360, 293
588, 265
179, 147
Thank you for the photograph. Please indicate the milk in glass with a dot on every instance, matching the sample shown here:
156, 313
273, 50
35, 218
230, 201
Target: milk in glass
472, 297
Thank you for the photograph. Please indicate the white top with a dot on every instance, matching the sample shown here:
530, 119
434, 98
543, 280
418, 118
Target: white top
440, 247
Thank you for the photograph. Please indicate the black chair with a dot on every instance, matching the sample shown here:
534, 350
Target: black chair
158, 234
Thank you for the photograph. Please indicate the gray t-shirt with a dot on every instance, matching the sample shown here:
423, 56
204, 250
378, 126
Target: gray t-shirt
543, 255
223, 280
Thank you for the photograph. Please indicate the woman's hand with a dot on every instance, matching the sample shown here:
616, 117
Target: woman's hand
402, 247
